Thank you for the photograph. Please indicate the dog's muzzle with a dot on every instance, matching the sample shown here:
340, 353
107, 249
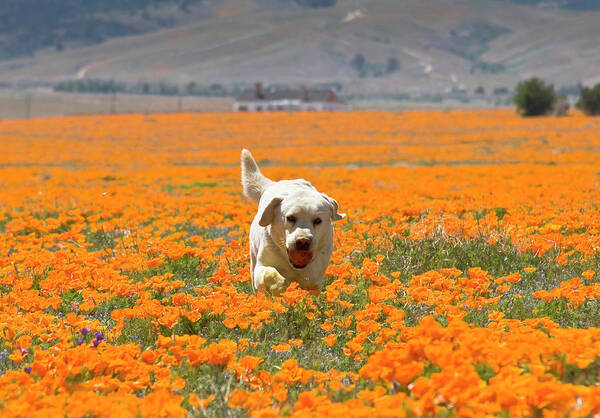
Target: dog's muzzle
301, 255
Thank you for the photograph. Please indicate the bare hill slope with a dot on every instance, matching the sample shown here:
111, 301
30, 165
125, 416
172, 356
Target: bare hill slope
371, 47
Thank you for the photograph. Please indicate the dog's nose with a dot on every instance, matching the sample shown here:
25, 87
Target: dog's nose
303, 244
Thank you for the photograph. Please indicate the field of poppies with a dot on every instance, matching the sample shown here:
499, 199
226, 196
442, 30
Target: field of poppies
465, 279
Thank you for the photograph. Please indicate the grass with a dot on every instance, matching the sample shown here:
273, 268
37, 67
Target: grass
187, 269
207, 380
403, 259
195, 185
402, 255
417, 257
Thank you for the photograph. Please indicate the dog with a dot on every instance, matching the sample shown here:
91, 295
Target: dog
291, 236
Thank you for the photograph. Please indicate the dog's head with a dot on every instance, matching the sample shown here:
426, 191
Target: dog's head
302, 222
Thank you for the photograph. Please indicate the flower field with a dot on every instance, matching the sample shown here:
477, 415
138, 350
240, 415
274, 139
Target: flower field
464, 282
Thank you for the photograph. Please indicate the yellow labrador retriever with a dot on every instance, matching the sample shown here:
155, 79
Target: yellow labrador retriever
291, 237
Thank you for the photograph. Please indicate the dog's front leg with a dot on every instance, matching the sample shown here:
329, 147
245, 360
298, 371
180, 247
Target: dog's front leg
269, 280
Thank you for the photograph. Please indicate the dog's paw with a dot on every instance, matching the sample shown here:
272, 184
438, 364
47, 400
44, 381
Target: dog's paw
274, 282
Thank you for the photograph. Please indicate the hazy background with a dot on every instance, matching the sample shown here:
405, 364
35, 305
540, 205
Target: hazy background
170, 55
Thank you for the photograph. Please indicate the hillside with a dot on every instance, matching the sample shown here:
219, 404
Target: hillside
369, 47
27, 26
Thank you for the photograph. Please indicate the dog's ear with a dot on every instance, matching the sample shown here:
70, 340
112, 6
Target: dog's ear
267, 211
334, 208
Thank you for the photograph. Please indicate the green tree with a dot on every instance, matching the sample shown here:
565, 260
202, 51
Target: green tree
360, 65
589, 100
392, 65
533, 97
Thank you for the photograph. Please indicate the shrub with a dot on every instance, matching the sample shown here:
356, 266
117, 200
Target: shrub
359, 63
533, 97
589, 100
392, 65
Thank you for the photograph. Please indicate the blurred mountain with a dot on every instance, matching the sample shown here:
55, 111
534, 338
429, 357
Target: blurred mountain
27, 26
368, 47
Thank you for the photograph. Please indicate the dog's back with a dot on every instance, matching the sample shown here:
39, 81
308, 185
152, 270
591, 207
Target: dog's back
253, 181
286, 242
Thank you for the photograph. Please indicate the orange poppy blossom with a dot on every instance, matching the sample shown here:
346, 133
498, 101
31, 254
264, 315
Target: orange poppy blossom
125, 285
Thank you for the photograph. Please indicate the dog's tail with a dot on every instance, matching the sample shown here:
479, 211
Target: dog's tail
253, 181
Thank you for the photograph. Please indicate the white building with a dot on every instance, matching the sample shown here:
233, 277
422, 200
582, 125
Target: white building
272, 99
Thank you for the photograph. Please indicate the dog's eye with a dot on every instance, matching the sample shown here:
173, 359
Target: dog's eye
317, 221
291, 219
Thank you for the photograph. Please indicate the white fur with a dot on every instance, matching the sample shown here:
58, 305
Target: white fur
272, 234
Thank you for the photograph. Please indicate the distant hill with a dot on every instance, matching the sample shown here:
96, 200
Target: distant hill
368, 47
27, 26
566, 4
